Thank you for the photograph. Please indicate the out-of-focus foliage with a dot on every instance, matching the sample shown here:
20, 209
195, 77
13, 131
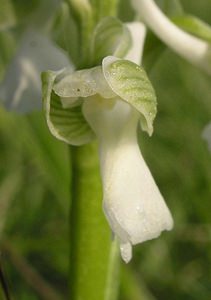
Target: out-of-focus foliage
34, 194
34, 185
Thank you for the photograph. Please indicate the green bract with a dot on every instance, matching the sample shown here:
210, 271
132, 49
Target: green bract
65, 91
130, 82
67, 124
111, 37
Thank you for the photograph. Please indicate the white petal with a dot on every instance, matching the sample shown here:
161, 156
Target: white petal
75, 84
126, 251
82, 83
21, 87
138, 34
133, 204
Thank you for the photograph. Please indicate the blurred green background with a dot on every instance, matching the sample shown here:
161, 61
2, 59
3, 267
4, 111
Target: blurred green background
34, 190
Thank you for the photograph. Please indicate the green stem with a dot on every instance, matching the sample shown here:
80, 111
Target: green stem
94, 257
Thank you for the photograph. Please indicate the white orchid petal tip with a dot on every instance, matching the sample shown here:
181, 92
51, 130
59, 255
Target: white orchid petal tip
126, 251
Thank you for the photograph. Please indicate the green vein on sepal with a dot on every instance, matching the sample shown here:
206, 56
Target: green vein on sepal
194, 26
130, 82
66, 124
111, 37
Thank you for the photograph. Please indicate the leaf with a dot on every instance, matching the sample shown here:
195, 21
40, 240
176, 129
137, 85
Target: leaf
111, 37
46, 152
9, 187
130, 82
194, 26
67, 125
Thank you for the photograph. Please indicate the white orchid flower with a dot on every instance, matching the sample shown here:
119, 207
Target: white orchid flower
20, 89
108, 101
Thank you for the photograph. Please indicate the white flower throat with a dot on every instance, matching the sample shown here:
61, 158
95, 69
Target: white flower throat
132, 202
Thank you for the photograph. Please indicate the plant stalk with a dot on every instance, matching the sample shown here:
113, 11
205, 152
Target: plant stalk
94, 257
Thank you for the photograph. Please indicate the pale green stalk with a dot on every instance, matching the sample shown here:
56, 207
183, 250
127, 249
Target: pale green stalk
94, 257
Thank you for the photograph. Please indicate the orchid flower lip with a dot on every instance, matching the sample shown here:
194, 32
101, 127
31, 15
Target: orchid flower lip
132, 202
